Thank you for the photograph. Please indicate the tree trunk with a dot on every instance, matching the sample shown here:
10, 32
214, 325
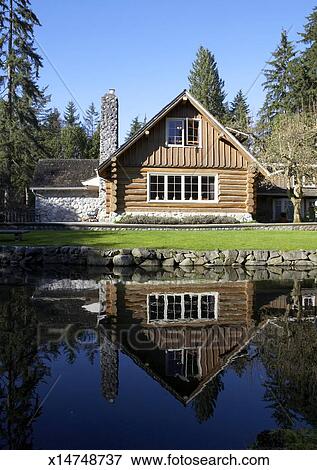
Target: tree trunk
297, 202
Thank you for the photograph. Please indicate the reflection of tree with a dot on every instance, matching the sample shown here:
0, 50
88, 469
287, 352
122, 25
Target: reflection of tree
289, 355
204, 404
21, 369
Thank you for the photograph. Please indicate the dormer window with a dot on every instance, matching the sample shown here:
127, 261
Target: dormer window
181, 132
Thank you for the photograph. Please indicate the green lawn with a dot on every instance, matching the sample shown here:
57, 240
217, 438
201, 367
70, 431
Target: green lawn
191, 240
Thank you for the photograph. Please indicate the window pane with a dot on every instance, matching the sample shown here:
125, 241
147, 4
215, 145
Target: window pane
207, 188
207, 306
156, 307
192, 132
191, 188
156, 188
174, 188
175, 131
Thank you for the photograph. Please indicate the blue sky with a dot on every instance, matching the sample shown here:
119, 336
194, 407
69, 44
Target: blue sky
144, 49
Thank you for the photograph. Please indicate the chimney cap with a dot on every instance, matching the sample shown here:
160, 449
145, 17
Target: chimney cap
112, 91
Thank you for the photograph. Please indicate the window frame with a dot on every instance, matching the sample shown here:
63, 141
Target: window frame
182, 295
184, 132
183, 200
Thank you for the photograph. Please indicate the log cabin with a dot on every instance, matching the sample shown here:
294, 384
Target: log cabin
182, 162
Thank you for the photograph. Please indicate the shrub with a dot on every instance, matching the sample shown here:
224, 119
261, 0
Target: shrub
173, 220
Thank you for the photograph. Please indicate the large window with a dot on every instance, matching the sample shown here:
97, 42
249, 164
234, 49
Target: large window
185, 188
183, 132
182, 307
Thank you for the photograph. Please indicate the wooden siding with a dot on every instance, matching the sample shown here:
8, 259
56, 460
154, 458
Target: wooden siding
235, 300
235, 191
215, 151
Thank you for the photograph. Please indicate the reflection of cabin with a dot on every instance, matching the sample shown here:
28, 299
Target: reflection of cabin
181, 334
286, 301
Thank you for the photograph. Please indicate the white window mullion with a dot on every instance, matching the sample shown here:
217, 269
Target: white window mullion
199, 188
183, 133
165, 307
199, 305
186, 141
182, 187
165, 188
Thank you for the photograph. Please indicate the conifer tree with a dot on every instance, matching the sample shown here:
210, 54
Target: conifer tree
135, 126
71, 116
240, 113
307, 65
73, 136
93, 145
91, 120
279, 82
206, 85
21, 95
51, 132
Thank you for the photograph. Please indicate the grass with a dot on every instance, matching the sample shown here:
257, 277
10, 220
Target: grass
191, 240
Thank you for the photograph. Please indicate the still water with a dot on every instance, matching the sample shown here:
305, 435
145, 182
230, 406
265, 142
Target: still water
132, 360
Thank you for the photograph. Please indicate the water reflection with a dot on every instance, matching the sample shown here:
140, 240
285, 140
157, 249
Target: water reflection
186, 334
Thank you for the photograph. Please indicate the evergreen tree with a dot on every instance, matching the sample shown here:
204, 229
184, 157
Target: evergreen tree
91, 120
51, 132
93, 145
71, 116
21, 95
135, 126
73, 142
240, 115
73, 136
307, 65
206, 85
279, 82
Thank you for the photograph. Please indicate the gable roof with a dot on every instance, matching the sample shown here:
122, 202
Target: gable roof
68, 173
223, 130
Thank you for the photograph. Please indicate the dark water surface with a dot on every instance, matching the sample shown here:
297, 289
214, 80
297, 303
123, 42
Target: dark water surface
155, 360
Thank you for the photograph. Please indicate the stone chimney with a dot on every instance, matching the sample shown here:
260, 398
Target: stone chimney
109, 125
109, 138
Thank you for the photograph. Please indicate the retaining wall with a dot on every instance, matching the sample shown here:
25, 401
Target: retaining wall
153, 259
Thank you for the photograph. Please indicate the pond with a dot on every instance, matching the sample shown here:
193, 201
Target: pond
163, 360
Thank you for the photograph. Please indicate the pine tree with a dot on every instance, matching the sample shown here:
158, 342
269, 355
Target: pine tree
135, 126
51, 132
21, 95
91, 120
240, 113
71, 116
279, 82
206, 85
73, 136
93, 145
73, 142
307, 64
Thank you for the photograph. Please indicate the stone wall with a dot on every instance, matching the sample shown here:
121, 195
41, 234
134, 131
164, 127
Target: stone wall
155, 259
66, 206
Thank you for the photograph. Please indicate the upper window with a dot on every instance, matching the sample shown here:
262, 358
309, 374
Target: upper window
183, 132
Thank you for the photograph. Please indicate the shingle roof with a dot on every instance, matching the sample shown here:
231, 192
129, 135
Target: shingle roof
63, 173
